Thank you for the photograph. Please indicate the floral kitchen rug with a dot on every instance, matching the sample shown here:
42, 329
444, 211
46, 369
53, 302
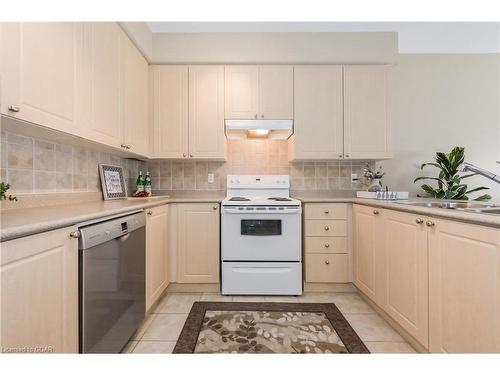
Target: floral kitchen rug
267, 327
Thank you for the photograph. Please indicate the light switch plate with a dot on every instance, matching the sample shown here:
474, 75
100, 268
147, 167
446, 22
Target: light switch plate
210, 178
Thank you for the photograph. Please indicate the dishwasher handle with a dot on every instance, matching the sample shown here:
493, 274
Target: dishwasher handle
118, 228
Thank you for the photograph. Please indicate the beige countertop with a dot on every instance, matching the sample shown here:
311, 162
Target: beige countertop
453, 214
22, 222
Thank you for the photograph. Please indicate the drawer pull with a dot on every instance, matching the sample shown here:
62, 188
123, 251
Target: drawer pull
327, 262
327, 245
430, 223
419, 221
375, 212
327, 212
327, 228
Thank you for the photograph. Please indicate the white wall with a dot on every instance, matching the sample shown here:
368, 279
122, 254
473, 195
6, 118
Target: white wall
441, 101
273, 48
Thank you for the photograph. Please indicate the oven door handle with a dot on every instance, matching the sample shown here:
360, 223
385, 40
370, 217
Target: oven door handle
261, 269
259, 212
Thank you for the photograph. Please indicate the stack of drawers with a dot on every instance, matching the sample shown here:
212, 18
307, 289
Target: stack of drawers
325, 242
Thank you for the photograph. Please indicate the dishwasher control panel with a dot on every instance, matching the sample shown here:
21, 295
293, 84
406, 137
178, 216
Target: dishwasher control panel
106, 230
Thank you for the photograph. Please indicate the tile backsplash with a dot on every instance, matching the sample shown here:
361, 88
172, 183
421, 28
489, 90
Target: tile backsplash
34, 165
255, 157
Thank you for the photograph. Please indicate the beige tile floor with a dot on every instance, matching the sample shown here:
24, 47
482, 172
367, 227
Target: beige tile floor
160, 330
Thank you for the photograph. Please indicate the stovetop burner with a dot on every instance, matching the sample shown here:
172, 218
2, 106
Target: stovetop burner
279, 199
239, 199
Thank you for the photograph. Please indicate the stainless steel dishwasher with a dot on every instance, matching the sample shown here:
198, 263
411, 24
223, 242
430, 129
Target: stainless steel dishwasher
112, 282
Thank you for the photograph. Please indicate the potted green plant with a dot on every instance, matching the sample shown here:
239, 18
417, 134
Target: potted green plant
449, 179
4, 187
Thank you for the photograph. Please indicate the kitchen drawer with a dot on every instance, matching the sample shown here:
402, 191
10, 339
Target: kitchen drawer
328, 245
327, 268
325, 211
325, 228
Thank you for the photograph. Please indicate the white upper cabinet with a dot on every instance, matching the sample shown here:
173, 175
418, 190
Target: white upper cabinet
38, 73
188, 112
206, 112
170, 113
318, 113
99, 83
135, 98
275, 92
242, 92
259, 92
366, 125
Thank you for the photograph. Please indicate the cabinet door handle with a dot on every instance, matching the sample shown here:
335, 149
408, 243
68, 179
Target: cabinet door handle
184, 155
190, 155
215, 207
419, 220
150, 213
346, 155
327, 245
123, 145
430, 223
340, 155
327, 212
14, 108
262, 116
75, 234
327, 262
327, 228
255, 116
375, 212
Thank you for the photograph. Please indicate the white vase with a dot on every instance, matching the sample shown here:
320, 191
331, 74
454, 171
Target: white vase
376, 185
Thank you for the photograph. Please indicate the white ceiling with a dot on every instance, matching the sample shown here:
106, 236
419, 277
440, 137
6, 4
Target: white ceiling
414, 37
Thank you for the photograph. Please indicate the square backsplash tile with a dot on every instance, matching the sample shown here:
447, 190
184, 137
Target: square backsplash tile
41, 165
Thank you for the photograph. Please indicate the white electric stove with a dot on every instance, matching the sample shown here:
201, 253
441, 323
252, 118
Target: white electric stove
261, 237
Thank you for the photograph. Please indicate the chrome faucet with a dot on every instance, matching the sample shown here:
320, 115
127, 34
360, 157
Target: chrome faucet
480, 171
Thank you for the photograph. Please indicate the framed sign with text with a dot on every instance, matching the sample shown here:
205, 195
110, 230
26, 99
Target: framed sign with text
112, 182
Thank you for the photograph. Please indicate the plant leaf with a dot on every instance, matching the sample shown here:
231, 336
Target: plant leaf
484, 197
477, 189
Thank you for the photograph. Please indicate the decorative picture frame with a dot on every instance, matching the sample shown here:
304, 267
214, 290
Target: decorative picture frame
112, 182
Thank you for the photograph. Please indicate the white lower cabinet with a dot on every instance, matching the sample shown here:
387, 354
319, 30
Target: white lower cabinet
39, 301
198, 243
405, 272
326, 243
156, 253
438, 279
464, 288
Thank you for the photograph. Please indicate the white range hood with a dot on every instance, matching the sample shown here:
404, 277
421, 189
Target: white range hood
265, 129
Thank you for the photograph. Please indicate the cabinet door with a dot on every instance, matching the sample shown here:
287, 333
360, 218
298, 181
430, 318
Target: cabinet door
464, 288
39, 302
135, 98
38, 73
405, 272
242, 91
206, 112
156, 254
198, 243
276, 92
99, 83
170, 95
368, 254
318, 113
366, 125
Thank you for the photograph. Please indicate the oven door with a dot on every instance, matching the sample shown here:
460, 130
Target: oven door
261, 236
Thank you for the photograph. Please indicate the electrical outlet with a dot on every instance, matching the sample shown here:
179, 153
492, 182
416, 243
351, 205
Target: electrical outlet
354, 177
210, 178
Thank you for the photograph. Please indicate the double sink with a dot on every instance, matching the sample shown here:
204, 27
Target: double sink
483, 208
